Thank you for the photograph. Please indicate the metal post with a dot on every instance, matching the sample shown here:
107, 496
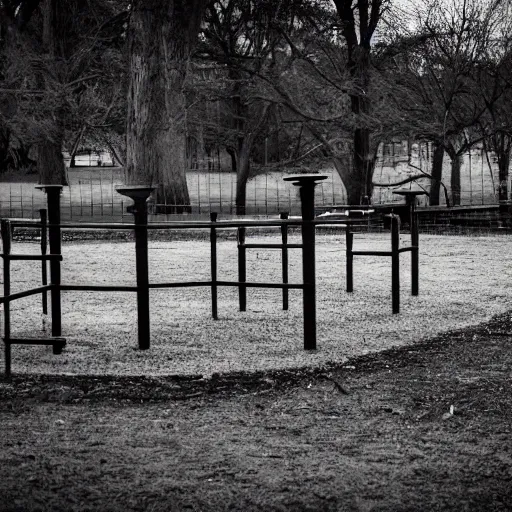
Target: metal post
213, 254
395, 263
141, 254
242, 269
350, 260
5, 228
284, 258
306, 182
415, 240
53, 199
44, 250
410, 199
140, 195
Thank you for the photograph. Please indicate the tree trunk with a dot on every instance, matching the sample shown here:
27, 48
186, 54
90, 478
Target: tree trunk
437, 173
502, 147
504, 163
161, 37
50, 161
52, 170
242, 176
455, 178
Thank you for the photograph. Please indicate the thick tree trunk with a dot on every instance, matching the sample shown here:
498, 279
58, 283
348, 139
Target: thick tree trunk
160, 39
437, 173
50, 163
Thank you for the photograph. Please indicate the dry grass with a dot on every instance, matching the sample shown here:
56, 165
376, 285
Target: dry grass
463, 281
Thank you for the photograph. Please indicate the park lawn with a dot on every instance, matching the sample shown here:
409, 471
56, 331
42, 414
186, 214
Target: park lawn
463, 281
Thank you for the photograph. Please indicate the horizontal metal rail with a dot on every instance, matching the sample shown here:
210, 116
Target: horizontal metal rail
96, 288
372, 253
260, 285
31, 257
184, 284
406, 249
26, 293
205, 224
272, 246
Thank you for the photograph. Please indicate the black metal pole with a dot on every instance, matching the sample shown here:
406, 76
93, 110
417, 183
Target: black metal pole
242, 269
415, 240
350, 260
44, 250
54, 236
284, 258
395, 263
5, 228
307, 197
140, 213
213, 254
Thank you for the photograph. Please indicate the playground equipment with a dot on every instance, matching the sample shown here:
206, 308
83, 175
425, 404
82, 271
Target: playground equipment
139, 195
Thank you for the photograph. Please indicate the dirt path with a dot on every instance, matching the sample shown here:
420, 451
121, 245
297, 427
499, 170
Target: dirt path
374, 435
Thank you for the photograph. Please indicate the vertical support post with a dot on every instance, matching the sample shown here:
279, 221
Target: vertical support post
5, 228
350, 259
307, 197
395, 263
410, 198
140, 194
242, 269
213, 259
53, 199
284, 257
140, 213
44, 264
415, 241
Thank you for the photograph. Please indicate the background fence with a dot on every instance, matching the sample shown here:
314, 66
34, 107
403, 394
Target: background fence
91, 193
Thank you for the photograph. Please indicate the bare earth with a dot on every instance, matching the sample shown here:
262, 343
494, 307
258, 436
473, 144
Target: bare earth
413, 429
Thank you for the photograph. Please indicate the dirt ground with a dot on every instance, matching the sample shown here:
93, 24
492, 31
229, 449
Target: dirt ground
420, 428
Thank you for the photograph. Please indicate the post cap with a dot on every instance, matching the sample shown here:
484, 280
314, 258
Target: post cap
48, 188
136, 192
301, 180
410, 193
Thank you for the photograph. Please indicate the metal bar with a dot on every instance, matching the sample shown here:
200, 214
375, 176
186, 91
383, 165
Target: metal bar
274, 246
242, 269
44, 250
31, 257
53, 198
407, 249
395, 264
25, 223
284, 258
205, 225
37, 341
184, 284
372, 253
260, 285
5, 230
213, 261
350, 260
27, 293
96, 288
